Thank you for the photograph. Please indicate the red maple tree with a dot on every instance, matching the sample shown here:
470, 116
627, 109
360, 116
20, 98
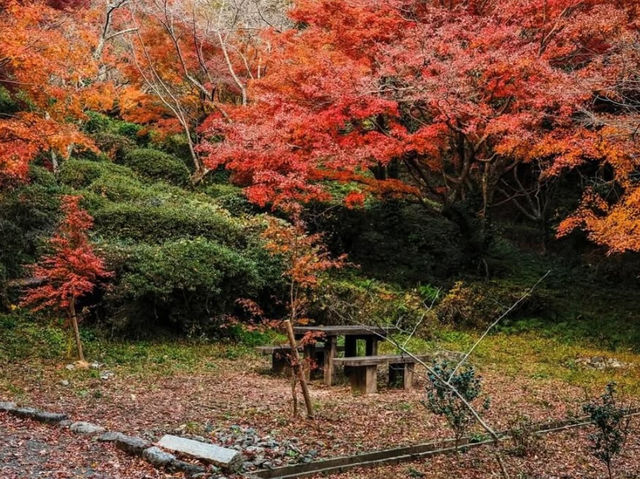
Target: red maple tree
71, 270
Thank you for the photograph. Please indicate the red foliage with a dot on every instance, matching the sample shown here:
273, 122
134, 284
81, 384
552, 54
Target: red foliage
438, 99
72, 269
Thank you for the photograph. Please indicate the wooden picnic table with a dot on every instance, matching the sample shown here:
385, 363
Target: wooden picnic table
330, 335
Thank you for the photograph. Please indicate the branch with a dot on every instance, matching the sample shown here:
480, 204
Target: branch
492, 325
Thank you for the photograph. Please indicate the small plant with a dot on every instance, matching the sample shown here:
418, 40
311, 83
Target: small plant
443, 401
523, 436
612, 427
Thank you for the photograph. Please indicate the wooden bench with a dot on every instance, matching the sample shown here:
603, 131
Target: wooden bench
280, 352
363, 371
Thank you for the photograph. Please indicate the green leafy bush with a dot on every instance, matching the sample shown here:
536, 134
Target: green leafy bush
611, 427
186, 285
443, 401
114, 145
27, 213
393, 240
157, 165
160, 219
477, 304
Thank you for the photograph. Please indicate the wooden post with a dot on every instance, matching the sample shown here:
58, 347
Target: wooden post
350, 350
363, 379
408, 376
309, 358
297, 367
330, 351
372, 346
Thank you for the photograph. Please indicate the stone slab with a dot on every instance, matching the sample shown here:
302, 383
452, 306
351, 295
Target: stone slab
220, 456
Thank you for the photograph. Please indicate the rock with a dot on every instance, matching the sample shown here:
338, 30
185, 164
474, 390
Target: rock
82, 427
7, 406
104, 375
109, 436
64, 382
70, 367
131, 444
600, 363
50, 417
42, 416
187, 467
157, 456
220, 456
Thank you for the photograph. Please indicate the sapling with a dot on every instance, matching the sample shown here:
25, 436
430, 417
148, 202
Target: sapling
612, 427
441, 400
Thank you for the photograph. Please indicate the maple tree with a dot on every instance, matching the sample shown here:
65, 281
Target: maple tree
305, 257
447, 102
71, 270
188, 59
47, 72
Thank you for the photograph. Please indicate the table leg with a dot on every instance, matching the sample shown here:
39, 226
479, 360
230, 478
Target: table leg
372, 346
350, 350
330, 352
308, 360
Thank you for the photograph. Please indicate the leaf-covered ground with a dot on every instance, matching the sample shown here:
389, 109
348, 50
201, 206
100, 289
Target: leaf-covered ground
33, 450
202, 389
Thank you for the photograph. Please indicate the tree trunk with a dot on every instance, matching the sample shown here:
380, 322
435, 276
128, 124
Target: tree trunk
76, 330
297, 367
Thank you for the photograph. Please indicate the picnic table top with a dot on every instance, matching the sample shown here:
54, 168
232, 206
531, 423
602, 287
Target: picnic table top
349, 330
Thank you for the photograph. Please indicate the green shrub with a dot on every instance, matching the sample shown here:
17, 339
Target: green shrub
477, 304
80, 173
187, 286
157, 165
27, 214
113, 145
160, 219
230, 198
22, 336
393, 241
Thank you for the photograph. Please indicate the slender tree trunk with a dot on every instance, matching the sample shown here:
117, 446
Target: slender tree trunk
297, 367
76, 330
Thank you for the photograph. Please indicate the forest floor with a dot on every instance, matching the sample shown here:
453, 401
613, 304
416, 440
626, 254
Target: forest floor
150, 389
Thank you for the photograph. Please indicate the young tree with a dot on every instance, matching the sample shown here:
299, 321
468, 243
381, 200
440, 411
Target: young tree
70, 271
305, 257
612, 427
442, 401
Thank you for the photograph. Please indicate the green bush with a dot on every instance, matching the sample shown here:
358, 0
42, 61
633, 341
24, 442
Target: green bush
27, 214
114, 145
477, 304
81, 173
230, 198
393, 240
186, 285
98, 123
157, 165
22, 335
161, 219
